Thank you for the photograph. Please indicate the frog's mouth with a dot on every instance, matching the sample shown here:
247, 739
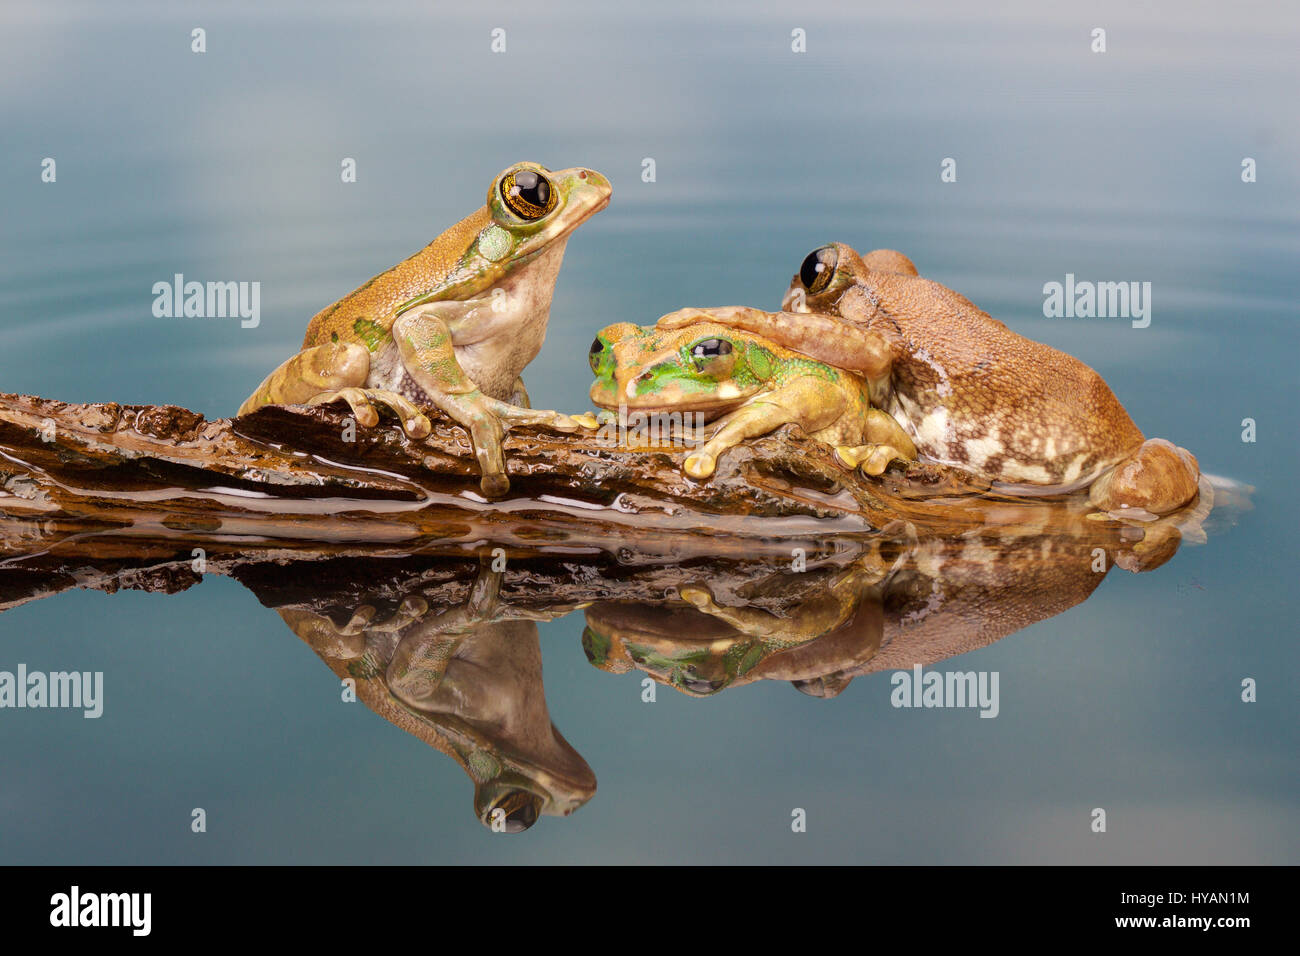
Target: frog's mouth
705, 406
702, 412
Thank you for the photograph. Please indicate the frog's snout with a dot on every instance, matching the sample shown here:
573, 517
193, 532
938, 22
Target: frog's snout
588, 186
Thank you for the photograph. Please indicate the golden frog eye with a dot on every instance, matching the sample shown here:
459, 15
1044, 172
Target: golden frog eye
528, 193
817, 268
593, 355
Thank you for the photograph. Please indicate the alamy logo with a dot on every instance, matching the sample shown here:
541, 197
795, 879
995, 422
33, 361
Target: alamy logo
75, 908
1103, 300
654, 428
208, 300
917, 688
83, 690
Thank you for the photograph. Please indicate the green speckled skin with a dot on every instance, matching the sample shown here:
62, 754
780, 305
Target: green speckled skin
749, 388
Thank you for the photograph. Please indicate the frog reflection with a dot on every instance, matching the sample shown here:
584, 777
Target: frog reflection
918, 599
467, 680
831, 620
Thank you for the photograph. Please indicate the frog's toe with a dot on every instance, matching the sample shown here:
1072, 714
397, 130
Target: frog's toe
415, 423
696, 595
564, 423
494, 486
682, 318
417, 427
486, 434
872, 459
362, 410
700, 465
587, 420
518, 415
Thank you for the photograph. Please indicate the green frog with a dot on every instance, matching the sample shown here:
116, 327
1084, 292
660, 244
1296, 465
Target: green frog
740, 386
972, 394
453, 326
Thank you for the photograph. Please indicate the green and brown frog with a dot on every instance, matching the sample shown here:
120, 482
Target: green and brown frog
453, 326
741, 386
971, 394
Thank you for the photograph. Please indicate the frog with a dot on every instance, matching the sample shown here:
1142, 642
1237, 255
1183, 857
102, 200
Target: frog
784, 624
452, 326
971, 394
740, 386
466, 679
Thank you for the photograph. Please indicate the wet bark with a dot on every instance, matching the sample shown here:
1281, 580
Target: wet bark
297, 474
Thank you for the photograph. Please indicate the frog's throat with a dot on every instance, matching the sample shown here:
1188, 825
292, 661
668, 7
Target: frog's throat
478, 282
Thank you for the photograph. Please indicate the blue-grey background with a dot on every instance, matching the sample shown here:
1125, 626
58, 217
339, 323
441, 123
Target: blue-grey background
1115, 166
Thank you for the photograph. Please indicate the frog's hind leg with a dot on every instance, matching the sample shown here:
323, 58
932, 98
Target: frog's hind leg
1156, 479
321, 368
886, 441
333, 372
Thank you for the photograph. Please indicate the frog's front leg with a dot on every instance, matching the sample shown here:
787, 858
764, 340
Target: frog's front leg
748, 421
327, 373
425, 343
827, 338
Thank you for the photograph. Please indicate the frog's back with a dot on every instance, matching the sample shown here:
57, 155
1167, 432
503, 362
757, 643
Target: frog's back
369, 310
983, 397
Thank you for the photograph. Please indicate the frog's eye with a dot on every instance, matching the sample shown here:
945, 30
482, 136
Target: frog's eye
515, 810
528, 193
818, 267
710, 348
708, 352
593, 355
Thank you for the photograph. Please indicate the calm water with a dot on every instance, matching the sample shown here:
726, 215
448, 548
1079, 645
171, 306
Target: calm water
1116, 166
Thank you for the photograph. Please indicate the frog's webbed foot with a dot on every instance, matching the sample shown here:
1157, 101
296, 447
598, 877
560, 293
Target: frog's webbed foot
872, 459
413, 608
362, 401
348, 642
488, 420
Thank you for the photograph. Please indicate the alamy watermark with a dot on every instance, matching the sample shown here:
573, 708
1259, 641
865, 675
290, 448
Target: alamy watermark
1103, 300
76, 908
919, 688
81, 690
682, 429
208, 300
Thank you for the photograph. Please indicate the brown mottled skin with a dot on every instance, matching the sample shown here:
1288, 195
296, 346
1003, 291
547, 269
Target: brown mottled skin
971, 393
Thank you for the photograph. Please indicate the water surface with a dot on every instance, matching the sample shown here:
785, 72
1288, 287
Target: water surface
1115, 166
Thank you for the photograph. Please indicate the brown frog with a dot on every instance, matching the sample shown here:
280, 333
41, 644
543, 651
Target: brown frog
970, 393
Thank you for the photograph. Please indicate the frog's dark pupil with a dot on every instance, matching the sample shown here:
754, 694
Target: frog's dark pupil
711, 348
595, 347
519, 810
532, 188
817, 267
